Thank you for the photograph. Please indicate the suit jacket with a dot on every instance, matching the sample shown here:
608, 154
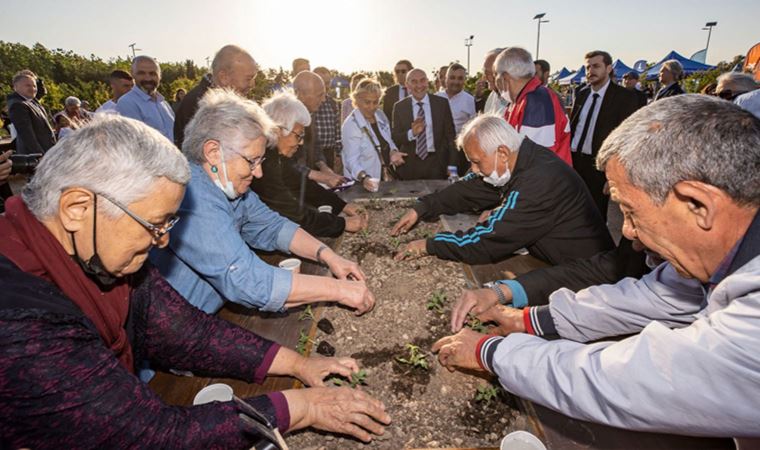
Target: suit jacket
187, 107
617, 105
389, 99
34, 134
669, 91
434, 166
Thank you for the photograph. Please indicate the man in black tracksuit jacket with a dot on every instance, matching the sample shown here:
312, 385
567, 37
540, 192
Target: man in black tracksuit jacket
545, 207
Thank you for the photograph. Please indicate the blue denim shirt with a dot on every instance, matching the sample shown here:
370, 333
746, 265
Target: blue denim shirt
210, 259
154, 112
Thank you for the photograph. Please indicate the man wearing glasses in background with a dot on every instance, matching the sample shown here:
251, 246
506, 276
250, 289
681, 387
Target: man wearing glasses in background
398, 91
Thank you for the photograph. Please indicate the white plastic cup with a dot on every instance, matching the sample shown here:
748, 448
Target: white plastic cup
291, 264
218, 392
374, 184
325, 209
521, 440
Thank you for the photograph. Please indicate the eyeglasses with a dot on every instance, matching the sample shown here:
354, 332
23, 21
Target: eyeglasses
156, 232
300, 135
253, 163
726, 94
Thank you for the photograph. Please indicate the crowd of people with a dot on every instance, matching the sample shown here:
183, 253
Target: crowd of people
97, 295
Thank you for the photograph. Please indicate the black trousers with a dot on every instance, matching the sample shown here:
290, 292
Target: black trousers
585, 165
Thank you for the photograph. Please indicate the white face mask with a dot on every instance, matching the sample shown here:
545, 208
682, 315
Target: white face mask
505, 96
495, 179
228, 189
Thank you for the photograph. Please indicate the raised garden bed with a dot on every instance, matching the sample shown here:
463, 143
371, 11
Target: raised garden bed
431, 407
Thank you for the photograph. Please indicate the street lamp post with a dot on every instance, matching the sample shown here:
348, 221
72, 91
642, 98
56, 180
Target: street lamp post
708, 26
539, 18
468, 44
132, 46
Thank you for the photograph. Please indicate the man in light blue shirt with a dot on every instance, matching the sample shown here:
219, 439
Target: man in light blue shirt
143, 102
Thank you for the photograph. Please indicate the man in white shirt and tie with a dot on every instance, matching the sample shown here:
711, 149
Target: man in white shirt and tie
462, 104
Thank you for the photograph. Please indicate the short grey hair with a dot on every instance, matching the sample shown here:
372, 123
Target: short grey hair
492, 131
674, 67
737, 82
72, 101
225, 116
286, 110
112, 155
494, 51
515, 62
140, 58
688, 138
21, 74
226, 57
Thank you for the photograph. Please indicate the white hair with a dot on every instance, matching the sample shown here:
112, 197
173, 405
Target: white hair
112, 155
494, 51
688, 138
286, 111
515, 62
140, 58
72, 101
225, 116
492, 131
737, 82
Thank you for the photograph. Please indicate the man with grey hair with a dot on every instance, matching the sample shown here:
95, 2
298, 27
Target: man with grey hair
28, 116
535, 111
232, 67
538, 202
494, 103
143, 102
684, 171
733, 84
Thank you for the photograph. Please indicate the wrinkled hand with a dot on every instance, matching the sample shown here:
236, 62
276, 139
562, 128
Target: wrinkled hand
459, 350
412, 250
418, 126
405, 223
370, 185
341, 267
5, 166
475, 301
312, 371
356, 223
341, 410
334, 180
509, 320
397, 158
356, 294
485, 215
352, 209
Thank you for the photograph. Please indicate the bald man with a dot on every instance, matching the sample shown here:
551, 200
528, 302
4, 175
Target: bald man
232, 68
423, 130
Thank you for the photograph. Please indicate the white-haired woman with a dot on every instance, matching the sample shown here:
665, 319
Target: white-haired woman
671, 73
211, 258
80, 308
368, 149
280, 186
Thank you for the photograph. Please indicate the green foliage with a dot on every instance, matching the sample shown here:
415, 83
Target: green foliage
394, 242
307, 314
475, 324
416, 357
303, 341
486, 392
357, 379
436, 301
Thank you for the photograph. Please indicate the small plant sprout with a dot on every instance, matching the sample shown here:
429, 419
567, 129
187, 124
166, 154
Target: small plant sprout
475, 324
436, 301
395, 242
306, 314
303, 341
416, 358
486, 392
357, 379
364, 233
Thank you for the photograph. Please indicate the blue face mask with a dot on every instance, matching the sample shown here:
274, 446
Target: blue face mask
494, 179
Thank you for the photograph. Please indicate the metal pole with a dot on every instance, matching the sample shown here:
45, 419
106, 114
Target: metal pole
538, 37
709, 32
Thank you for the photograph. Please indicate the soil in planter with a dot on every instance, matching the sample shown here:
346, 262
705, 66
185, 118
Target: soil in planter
430, 408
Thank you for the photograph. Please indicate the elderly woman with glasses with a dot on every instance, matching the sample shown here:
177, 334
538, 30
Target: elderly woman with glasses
80, 308
368, 149
210, 259
280, 186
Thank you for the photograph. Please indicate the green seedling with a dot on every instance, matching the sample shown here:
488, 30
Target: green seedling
364, 233
436, 301
395, 242
475, 324
306, 314
357, 379
416, 357
303, 341
486, 393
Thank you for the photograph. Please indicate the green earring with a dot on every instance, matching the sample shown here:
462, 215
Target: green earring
214, 169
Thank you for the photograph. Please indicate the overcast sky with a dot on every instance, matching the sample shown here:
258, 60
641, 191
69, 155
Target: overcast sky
371, 35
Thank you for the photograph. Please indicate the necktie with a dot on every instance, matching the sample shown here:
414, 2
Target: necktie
587, 124
422, 151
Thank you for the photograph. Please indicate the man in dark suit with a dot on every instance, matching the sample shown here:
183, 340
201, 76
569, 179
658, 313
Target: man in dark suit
598, 109
423, 130
33, 131
630, 80
397, 91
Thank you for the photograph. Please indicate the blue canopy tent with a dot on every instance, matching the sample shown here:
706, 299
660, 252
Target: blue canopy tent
576, 77
689, 66
561, 74
620, 69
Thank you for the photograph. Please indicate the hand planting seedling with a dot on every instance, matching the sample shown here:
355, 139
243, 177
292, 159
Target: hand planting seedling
416, 358
436, 301
357, 379
486, 393
306, 314
303, 341
475, 324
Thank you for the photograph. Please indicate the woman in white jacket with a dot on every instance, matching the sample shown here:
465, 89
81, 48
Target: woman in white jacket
368, 150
